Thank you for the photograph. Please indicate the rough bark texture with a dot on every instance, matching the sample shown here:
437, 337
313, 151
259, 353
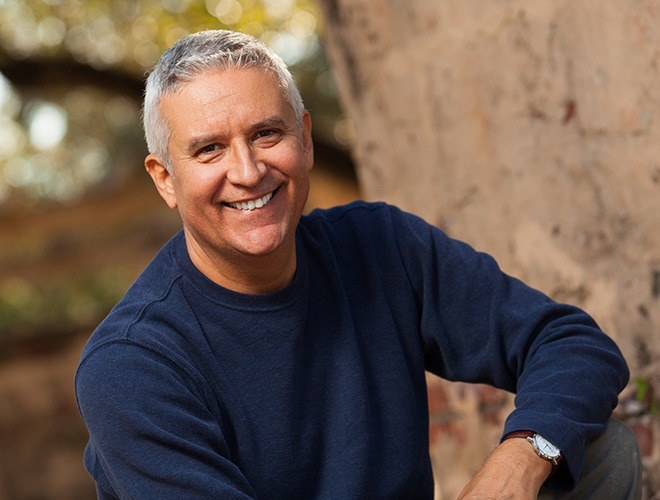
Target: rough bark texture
532, 131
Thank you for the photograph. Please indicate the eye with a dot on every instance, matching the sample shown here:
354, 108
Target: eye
209, 149
267, 136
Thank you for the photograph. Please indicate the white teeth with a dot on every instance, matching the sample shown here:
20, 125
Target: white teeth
252, 204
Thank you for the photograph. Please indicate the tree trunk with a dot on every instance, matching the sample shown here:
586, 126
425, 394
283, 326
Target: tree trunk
532, 131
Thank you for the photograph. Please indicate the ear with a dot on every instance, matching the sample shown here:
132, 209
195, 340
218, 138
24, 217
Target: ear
162, 178
308, 144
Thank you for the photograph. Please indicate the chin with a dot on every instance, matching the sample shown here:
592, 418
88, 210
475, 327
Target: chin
264, 244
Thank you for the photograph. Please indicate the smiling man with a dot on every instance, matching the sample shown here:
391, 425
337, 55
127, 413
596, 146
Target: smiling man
242, 157
268, 354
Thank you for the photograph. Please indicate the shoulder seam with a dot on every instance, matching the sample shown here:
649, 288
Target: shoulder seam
123, 337
147, 305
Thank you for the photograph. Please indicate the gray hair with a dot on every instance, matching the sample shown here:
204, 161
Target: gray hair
199, 52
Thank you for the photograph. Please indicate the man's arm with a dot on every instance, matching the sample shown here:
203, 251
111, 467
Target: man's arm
479, 325
151, 433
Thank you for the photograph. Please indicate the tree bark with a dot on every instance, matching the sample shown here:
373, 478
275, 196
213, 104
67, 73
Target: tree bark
527, 129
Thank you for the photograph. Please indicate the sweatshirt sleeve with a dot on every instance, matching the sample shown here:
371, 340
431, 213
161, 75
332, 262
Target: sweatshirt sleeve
151, 434
479, 325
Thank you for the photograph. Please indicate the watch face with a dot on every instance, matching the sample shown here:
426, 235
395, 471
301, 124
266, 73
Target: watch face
546, 447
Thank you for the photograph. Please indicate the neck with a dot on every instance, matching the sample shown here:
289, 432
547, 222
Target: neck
242, 273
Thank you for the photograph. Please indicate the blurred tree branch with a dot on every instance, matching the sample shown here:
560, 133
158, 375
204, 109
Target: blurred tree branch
48, 72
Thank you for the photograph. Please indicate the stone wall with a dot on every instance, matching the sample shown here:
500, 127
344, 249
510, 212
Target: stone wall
532, 131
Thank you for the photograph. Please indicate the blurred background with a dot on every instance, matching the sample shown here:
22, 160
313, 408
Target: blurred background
528, 129
79, 217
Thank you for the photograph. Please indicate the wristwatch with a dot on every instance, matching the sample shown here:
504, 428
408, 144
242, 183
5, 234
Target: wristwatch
543, 448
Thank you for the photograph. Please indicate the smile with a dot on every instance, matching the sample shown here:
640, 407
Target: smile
252, 204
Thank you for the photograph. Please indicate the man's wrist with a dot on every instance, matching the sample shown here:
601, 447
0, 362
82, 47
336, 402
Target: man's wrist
529, 464
541, 446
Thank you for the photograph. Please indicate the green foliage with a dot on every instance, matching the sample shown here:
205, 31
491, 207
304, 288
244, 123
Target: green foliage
68, 304
133, 34
642, 388
645, 393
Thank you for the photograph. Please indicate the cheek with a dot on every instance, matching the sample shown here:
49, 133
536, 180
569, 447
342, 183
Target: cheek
293, 163
200, 187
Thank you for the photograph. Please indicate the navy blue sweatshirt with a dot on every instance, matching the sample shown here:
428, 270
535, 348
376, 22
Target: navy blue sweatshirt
190, 390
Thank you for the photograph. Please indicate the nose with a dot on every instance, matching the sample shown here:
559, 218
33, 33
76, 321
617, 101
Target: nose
244, 169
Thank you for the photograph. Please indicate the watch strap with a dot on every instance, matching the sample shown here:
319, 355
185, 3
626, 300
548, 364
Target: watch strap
519, 434
528, 435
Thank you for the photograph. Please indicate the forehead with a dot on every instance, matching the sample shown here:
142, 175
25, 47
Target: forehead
237, 88
222, 103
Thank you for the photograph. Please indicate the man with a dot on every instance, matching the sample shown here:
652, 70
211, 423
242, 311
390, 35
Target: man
265, 354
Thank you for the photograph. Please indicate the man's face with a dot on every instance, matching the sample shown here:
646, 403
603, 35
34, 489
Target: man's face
240, 163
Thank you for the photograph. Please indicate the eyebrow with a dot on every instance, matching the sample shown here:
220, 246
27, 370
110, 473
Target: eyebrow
198, 142
273, 121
